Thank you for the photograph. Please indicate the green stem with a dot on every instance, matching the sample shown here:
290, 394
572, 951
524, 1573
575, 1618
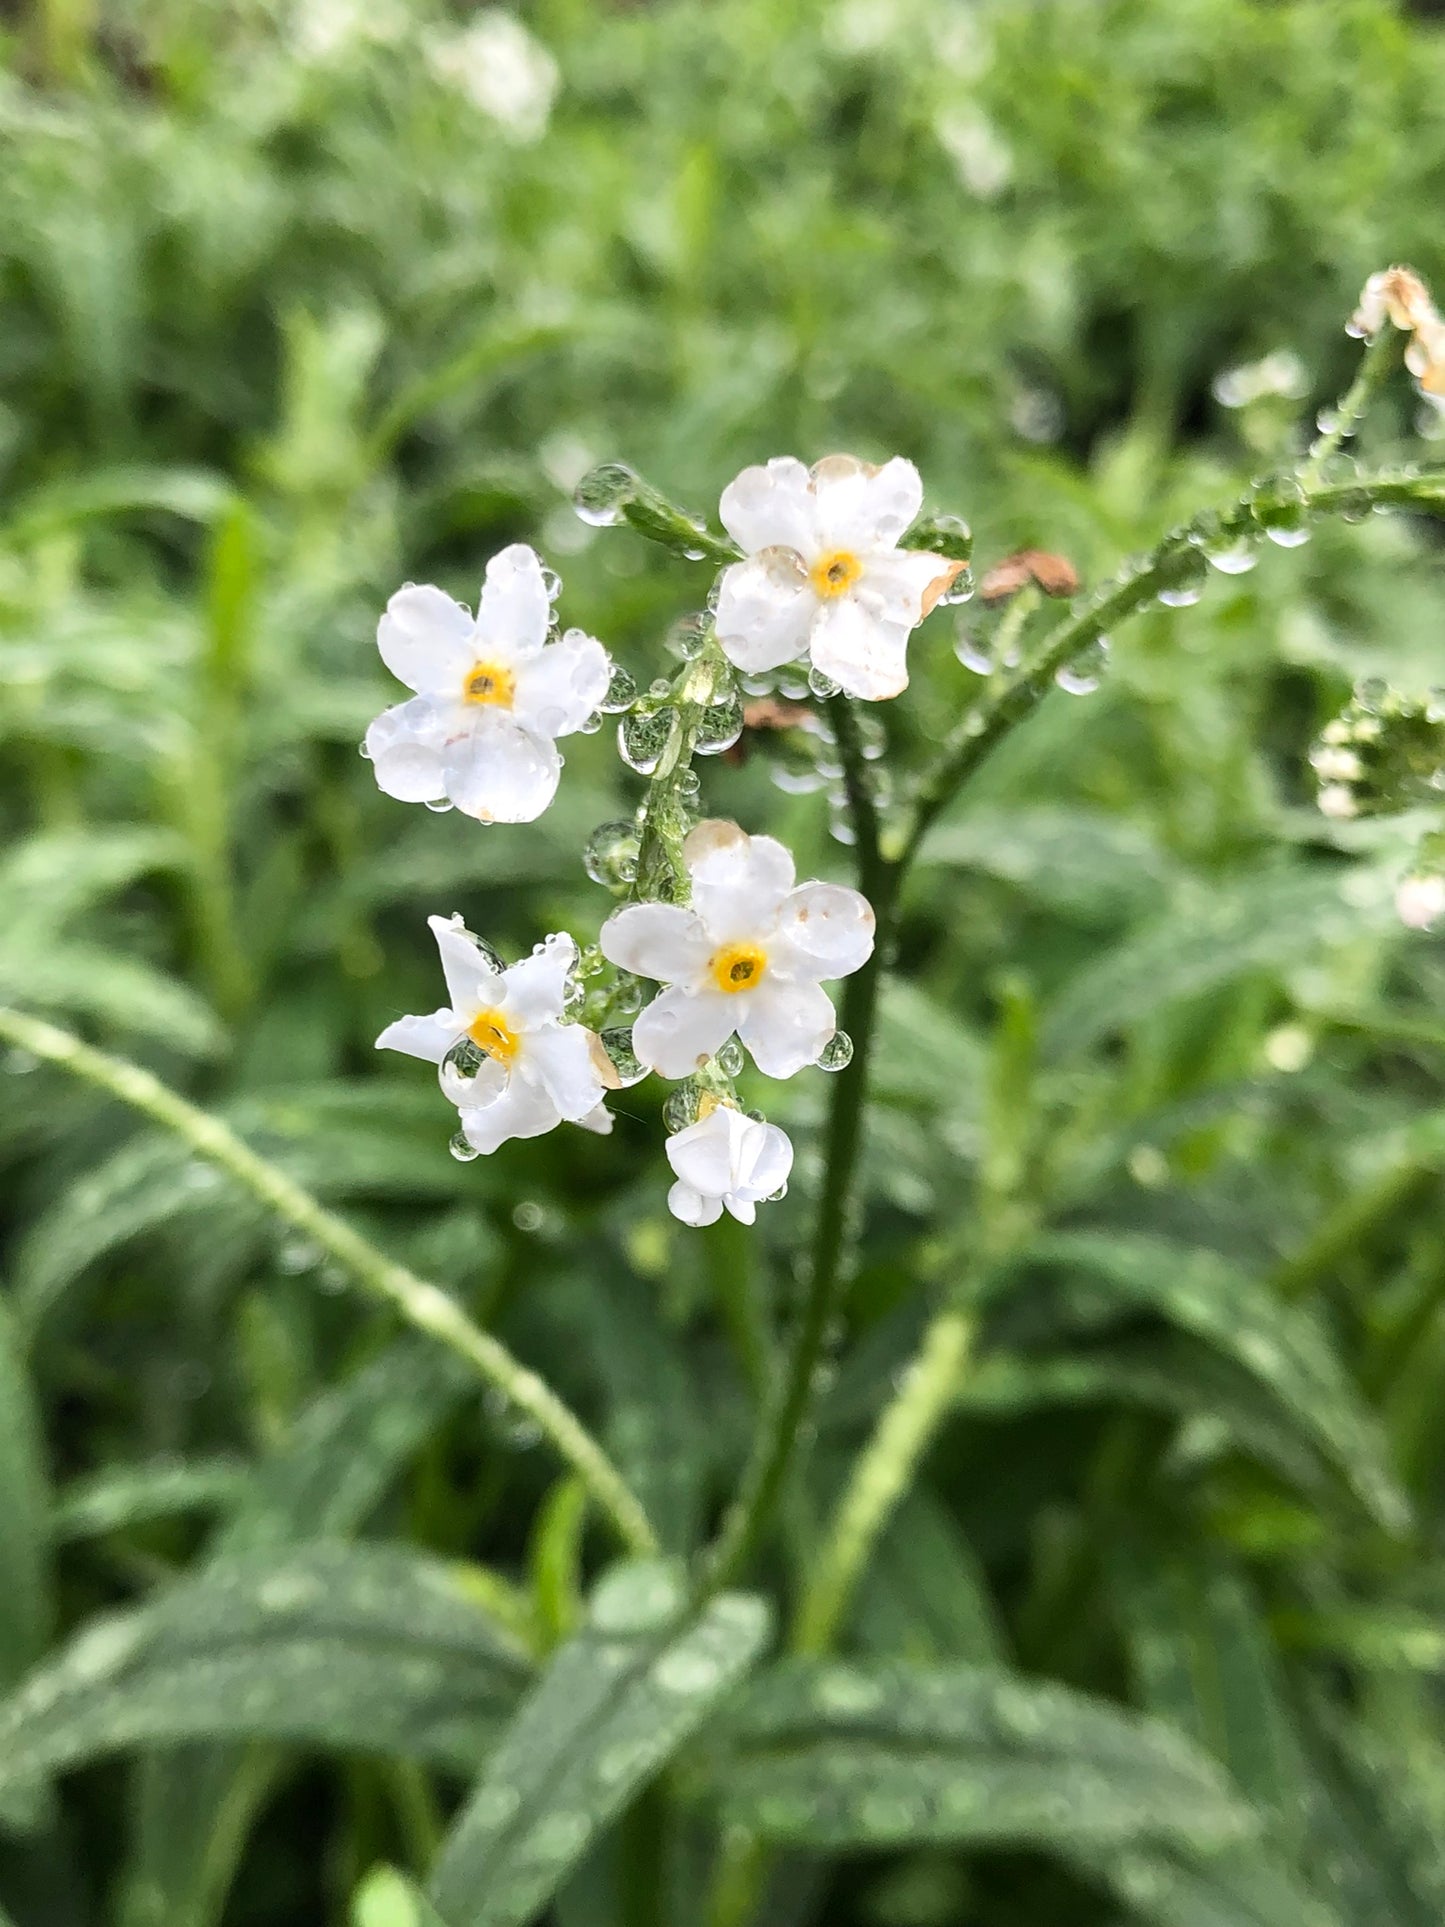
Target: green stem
987, 724
422, 1305
1380, 357
751, 1512
881, 1475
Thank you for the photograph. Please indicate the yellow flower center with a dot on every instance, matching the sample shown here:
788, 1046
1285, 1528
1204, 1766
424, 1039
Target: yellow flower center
494, 1036
833, 575
738, 966
490, 682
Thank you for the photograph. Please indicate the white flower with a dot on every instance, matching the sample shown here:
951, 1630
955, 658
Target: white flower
1420, 900
726, 1159
502, 70
747, 956
824, 574
491, 694
535, 1071
1337, 801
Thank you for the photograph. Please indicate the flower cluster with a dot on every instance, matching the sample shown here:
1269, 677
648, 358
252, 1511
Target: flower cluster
737, 947
1399, 296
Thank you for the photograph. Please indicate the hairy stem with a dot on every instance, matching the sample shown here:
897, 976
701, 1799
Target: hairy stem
751, 1513
423, 1305
986, 725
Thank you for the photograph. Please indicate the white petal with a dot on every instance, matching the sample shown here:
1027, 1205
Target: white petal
522, 1110
765, 610
897, 585
425, 639
404, 745
770, 507
824, 930
514, 613
738, 881
785, 1025
705, 1155
860, 507
472, 984
659, 940
680, 1029
743, 1209
501, 773
470, 1089
560, 688
599, 1120
692, 1207
429, 1038
559, 1059
537, 986
765, 1159
866, 657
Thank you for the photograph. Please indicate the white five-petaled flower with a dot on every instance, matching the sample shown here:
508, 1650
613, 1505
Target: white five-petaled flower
1420, 900
535, 1071
748, 955
726, 1159
824, 575
492, 694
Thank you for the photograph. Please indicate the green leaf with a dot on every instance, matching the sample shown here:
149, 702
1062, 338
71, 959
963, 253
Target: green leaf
1280, 1344
612, 1706
1086, 864
363, 1648
25, 1595
924, 1594
1267, 923
122, 1496
1245, 1887
839, 1757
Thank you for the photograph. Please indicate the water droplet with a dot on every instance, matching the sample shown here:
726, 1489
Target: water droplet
973, 652
1082, 676
1288, 538
1183, 597
960, 590
680, 1110
837, 1053
688, 787
462, 1148
643, 735
617, 1042
947, 535
688, 636
439, 805
590, 725
628, 992
719, 726
298, 1255
551, 582
363, 751
638, 1597
821, 686
528, 1216
621, 692
1232, 558
730, 1057
610, 857
601, 497
684, 1672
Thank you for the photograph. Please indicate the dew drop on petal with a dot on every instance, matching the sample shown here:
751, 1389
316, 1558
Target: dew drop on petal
462, 1149
821, 686
621, 692
439, 805
730, 1057
837, 1053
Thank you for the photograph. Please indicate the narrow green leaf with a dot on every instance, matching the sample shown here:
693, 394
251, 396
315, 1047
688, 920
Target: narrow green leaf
1211, 937
369, 1649
25, 1593
1280, 1344
617, 1702
1245, 1887
845, 1756
122, 1496
1086, 864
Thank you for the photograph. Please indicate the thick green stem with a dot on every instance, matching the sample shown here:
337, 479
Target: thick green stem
421, 1304
985, 726
882, 1474
749, 1516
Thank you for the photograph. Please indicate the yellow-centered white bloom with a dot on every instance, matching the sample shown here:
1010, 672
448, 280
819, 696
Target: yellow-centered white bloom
726, 1160
534, 1070
824, 575
747, 955
492, 694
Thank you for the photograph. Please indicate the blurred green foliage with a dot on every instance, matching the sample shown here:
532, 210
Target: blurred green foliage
285, 319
